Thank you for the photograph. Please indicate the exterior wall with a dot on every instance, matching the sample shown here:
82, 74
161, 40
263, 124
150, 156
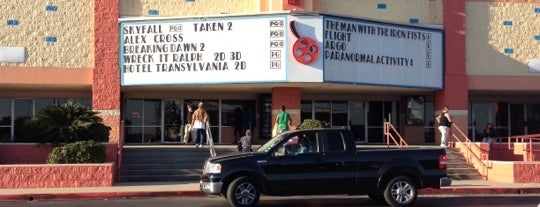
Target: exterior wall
514, 172
413, 135
501, 151
106, 77
518, 152
405, 12
57, 176
501, 171
55, 35
527, 172
74, 82
291, 99
169, 8
495, 27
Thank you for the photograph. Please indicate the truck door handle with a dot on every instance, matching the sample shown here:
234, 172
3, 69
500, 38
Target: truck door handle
339, 163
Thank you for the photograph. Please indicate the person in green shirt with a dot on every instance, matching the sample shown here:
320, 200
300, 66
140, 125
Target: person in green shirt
283, 120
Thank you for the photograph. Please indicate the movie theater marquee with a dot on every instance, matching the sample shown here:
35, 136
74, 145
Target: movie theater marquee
365, 52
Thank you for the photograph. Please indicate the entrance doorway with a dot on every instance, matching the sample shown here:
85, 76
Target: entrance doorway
173, 121
357, 120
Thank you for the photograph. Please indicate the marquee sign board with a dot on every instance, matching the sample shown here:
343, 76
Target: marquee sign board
373, 53
219, 50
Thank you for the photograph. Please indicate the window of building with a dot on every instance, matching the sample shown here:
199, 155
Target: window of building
238, 116
306, 111
429, 124
142, 120
23, 108
5, 119
323, 110
353, 115
43, 102
482, 113
233, 112
173, 121
533, 118
339, 114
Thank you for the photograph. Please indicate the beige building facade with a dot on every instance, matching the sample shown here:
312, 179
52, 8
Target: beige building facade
59, 51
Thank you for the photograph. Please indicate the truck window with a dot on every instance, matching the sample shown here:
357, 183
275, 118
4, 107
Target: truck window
302, 143
335, 142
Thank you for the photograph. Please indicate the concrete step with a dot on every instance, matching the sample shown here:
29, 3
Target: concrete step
457, 176
148, 166
170, 178
162, 172
165, 163
458, 168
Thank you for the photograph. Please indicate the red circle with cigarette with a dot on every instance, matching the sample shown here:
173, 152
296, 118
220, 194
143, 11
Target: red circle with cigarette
305, 50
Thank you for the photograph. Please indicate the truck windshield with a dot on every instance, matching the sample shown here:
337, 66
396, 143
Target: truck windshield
271, 143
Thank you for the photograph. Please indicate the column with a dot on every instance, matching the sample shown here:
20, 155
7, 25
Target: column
455, 93
106, 79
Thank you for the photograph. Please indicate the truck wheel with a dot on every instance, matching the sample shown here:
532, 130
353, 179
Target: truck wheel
400, 191
243, 192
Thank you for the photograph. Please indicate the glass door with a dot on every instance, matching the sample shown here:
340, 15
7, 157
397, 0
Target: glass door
339, 114
533, 118
173, 123
517, 119
480, 117
357, 120
483, 113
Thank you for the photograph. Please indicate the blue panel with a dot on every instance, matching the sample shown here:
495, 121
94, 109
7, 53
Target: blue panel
536, 10
50, 39
507, 23
153, 12
414, 21
52, 8
190, 0
537, 37
508, 50
381, 6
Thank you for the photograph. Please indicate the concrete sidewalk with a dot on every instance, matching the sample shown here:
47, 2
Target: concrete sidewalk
123, 190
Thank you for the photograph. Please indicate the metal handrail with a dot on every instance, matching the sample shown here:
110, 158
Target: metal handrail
210, 140
387, 127
481, 159
120, 149
528, 141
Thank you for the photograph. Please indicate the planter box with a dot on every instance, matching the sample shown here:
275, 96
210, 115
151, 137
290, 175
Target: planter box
22, 165
57, 175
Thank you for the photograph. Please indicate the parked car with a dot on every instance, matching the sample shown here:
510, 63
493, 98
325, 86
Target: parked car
324, 161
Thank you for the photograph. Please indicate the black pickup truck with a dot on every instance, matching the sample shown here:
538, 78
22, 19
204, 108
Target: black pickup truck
324, 161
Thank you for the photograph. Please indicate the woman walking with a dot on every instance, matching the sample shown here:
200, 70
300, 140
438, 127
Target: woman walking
200, 123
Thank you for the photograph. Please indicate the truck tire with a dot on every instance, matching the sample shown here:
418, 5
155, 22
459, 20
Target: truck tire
400, 191
243, 192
